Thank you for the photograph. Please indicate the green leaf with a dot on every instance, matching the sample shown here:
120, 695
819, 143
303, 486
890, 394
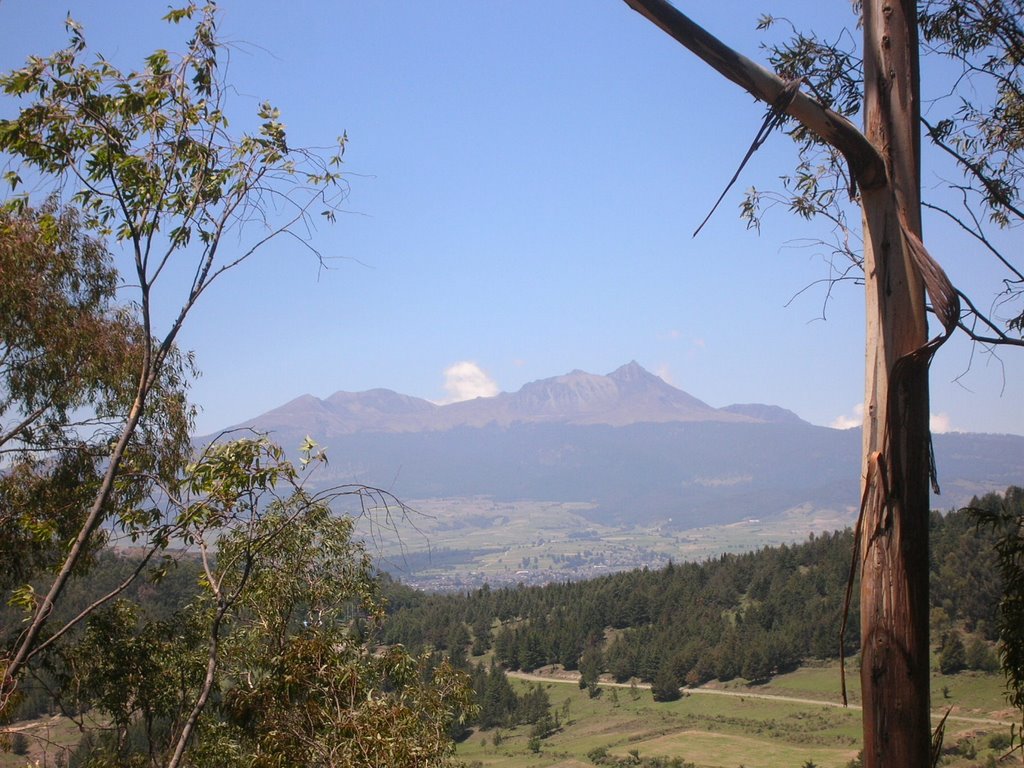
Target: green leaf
176, 15
23, 597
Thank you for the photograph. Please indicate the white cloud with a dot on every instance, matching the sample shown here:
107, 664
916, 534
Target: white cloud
465, 380
939, 422
851, 420
665, 374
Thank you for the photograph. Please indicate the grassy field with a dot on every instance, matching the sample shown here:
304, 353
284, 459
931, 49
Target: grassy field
47, 739
721, 726
741, 725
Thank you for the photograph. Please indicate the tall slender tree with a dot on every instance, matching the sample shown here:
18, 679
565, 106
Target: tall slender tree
902, 284
147, 159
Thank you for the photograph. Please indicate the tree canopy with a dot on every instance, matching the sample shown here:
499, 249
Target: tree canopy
142, 161
274, 660
69, 349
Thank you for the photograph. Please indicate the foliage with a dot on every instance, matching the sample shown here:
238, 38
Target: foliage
665, 686
275, 661
1005, 517
979, 656
748, 615
591, 663
67, 356
500, 706
19, 744
987, 41
780, 604
93, 409
148, 151
977, 123
998, 741
601, 756
732, 581
884, 162
952, 654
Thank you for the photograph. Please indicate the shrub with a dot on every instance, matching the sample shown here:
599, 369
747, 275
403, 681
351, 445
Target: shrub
999, 742
952, 655
19, 744
980, 656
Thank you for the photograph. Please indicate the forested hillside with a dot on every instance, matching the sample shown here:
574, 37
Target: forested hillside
748, 615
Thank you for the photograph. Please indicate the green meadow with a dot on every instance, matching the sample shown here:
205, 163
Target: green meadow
721, 726
738, 724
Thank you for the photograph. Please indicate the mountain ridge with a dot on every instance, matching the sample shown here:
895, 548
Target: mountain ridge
630, 446
628, 395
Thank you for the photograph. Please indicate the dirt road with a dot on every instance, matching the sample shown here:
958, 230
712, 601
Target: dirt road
571, 678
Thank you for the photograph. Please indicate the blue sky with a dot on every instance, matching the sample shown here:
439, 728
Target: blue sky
525, 178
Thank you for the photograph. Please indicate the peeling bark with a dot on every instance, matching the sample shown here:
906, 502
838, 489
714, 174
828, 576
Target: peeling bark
894, 542
897, 465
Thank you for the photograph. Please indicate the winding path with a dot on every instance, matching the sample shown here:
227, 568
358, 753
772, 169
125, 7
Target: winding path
570, 678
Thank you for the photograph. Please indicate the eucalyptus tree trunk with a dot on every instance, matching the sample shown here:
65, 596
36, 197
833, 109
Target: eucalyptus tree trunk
896, 469
893, 527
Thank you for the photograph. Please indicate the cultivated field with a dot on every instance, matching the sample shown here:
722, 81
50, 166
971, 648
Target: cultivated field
464, 542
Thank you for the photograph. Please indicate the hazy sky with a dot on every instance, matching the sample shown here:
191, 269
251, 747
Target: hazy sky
525, 178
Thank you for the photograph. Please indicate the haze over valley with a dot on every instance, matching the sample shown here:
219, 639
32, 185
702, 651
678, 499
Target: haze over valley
579, 473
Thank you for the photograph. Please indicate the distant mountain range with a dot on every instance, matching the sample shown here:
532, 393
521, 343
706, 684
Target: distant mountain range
636, 447
628, 395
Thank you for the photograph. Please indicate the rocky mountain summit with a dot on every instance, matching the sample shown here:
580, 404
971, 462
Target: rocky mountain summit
628, 444
628, 395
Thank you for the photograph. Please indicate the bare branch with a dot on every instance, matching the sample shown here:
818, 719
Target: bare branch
86, 612
830, 126
995, 192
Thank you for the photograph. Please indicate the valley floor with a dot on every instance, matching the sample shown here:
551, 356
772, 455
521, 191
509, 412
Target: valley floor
448, 545
792, 719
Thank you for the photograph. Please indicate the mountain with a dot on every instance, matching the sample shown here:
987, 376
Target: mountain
377, 410
628, 395
767, 413
629, 444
